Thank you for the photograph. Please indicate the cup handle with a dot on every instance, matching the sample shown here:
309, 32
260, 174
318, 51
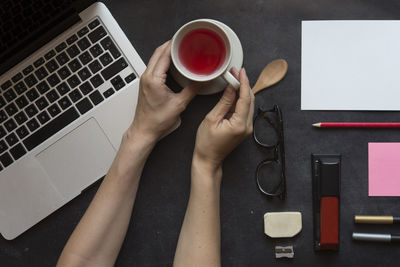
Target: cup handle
229, 78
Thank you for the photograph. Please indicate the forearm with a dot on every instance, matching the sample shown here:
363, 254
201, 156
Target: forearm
199, 239
97, 239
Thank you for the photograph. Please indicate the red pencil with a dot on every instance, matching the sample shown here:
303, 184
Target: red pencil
357, 125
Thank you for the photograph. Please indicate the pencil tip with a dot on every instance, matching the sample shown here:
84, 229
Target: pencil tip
317, 124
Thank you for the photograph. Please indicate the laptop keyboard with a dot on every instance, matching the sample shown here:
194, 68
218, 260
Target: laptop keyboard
59, 87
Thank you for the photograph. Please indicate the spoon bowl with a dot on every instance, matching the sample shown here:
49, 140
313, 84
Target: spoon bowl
270, 75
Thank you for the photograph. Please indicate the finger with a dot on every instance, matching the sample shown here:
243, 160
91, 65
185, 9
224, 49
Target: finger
224, 104
235, 72
187, 94
156, 55
164, 61
243, 104
251, 112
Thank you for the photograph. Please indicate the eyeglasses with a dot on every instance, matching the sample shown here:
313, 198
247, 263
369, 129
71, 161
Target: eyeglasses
268, 133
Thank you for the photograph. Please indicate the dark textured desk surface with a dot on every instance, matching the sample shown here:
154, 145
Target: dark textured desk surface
268, 29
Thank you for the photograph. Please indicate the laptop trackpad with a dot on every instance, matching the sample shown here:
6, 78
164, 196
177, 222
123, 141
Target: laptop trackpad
78, 159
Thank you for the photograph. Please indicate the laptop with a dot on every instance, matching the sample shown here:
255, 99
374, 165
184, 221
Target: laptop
69, 80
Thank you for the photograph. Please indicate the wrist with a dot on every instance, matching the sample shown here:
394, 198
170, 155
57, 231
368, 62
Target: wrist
207, 172
207, 163
134, 136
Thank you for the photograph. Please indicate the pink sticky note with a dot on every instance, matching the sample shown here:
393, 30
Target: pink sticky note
384, 169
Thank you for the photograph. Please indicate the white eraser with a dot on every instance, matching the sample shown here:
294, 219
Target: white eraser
282, 224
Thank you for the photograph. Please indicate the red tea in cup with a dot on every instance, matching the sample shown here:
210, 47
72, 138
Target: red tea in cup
202, 51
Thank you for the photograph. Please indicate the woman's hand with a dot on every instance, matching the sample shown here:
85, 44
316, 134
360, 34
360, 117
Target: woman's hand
226, 126
158, 108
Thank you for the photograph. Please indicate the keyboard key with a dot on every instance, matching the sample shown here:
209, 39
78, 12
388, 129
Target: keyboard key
63, 72
32, 94
17, 77
95, 66
84, 105
83, 31
10, 125
52, 66
96, 97
2, 132
109, 45
28, 70
31, 110
20, 117
130, 78
114, 68
43, 87
11, 109
86, 88
61, 47
52, 96
73, 81
3, 146
43, 117
97, 34
75, 95
94, 24
72, 39
84, 74
3, 116
41, 103
30, 80
41, 73
73, 51
6, 159
108, 93
96, 81
74, 65
22, 132
64, 102
32, 124
2, 102
96, 50
106, 59
51, 128
62, 58
6, 85
18, 151
106, 43
117, 82
20, 88
53, 80
21, 101
11, 139
83, 43
54, 110
50, 54
38, 62
63, 88
85, 58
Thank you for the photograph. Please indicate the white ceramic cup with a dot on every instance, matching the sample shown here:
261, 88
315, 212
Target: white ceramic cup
222, 71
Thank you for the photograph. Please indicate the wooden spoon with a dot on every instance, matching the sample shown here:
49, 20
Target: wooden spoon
270, 75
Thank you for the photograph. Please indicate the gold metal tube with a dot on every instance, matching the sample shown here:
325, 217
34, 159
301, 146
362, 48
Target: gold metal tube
373, 219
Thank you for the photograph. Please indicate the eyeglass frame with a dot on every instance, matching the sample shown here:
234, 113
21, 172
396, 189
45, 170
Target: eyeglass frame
279, 145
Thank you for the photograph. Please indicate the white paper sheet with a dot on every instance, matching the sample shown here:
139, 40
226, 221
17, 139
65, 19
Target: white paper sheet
350, 65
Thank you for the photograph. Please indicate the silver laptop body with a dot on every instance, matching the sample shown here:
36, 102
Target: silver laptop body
73, 145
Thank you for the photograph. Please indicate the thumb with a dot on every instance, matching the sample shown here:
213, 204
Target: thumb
188, 93
224, 104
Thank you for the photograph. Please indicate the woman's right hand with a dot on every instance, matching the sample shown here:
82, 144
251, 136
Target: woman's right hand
226, 126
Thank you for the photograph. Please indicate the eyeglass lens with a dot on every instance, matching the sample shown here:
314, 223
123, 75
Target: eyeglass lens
267, 128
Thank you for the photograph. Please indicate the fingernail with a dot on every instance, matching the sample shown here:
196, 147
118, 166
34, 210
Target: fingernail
244, 70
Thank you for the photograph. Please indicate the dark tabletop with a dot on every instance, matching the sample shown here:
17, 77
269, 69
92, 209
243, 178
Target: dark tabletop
268, 29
